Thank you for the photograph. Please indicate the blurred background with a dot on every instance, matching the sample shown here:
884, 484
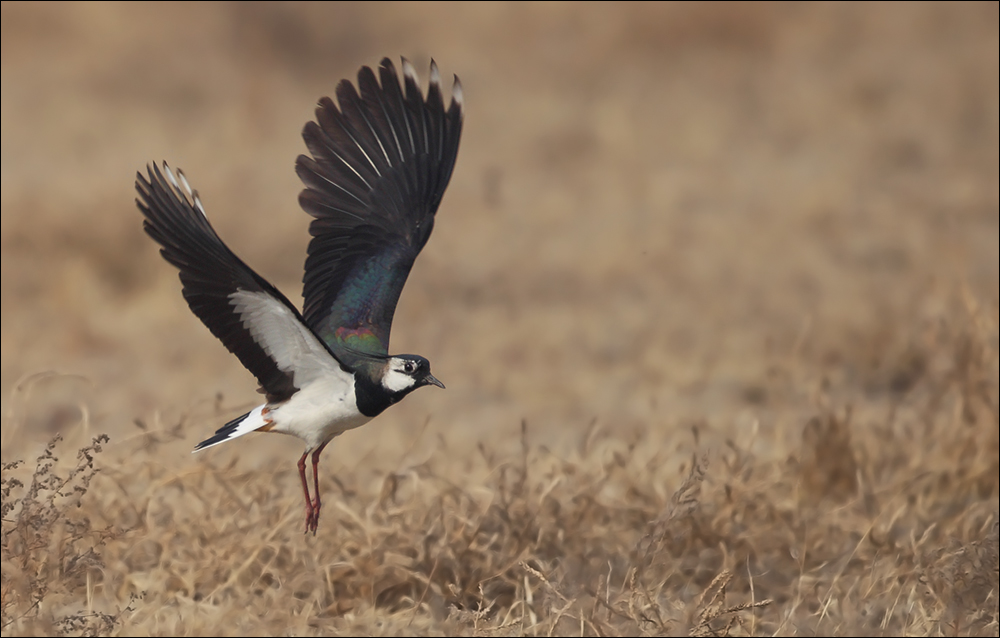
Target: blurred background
662, 214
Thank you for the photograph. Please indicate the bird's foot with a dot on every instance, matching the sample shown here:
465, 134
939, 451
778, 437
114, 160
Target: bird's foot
311, 519
312, 516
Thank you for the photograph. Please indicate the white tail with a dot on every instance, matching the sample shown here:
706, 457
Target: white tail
249, 422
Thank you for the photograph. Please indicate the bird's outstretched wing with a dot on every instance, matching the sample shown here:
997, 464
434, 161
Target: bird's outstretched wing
250, 316
379, 167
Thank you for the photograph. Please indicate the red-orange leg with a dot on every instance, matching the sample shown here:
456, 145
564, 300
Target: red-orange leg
305, 490
316, 504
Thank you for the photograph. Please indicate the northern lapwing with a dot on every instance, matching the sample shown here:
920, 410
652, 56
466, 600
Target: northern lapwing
380, 163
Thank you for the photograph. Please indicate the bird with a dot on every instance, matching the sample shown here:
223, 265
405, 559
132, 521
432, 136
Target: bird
379, 161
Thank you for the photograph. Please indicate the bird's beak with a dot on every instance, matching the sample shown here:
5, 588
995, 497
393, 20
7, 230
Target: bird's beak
430, 380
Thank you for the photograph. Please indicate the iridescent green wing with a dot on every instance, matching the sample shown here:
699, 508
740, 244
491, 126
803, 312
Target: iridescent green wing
379, 167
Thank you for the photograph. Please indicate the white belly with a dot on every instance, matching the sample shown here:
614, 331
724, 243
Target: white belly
319, 412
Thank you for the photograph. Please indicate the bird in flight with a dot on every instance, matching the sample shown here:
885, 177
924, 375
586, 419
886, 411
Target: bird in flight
381, 158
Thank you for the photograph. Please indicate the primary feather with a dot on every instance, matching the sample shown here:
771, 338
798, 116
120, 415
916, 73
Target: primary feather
379, 167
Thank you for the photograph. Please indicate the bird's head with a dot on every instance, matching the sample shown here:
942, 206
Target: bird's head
405, 373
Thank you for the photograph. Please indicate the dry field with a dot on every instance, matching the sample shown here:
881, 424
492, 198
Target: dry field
714, 291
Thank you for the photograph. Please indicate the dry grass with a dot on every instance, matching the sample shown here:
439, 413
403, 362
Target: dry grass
884, 520
715, 291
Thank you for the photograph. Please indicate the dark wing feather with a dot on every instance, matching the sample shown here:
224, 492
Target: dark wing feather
211, 274
379, 168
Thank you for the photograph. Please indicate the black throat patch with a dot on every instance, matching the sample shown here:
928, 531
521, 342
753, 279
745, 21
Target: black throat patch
371, 397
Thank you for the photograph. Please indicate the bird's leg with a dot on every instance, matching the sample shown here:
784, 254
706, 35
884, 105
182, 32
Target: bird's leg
316, 504
305, 489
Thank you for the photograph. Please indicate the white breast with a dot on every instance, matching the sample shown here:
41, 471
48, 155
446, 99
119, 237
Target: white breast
320, 411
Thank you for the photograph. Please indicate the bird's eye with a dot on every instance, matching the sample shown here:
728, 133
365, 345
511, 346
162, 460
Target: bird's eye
408, 367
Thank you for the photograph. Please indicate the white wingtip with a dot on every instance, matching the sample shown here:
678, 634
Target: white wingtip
184, 182
170, 176
457, 96
179, 181
198, 205
435, 74
410, 72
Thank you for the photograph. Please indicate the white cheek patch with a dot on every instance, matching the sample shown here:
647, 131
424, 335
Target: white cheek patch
396, 381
